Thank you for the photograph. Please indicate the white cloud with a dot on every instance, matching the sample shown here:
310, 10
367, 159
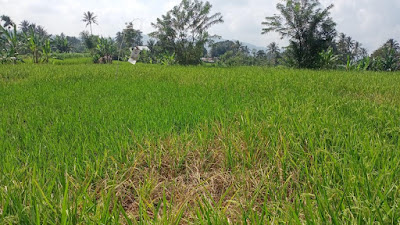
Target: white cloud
371, 22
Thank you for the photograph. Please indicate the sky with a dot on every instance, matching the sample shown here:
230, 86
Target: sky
370, 22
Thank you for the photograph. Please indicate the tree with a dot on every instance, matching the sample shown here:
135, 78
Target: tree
61, 44
24, 26
349, 49
89, 18
34, 45
261, 54
387, 57
183, 30
7, 22
344, 47
37, 41
273, 53
104, 50
89, 41
309, 28
220, 48
75, 44
238, 47
41, 31
129, 37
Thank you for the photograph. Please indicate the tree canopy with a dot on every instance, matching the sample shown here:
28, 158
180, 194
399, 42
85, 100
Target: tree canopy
310, 30
183, 30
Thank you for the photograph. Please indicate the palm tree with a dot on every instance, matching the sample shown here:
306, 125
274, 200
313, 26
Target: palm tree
273, 52
273, 48
24, 26
89, 18
32, 26
348, 49
350, 43
392, 44
8, 23
41, 32
309, 27
260, 54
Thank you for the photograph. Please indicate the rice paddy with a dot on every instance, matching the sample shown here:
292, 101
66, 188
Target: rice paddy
151, 144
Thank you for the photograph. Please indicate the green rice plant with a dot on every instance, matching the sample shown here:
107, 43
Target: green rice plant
197, 145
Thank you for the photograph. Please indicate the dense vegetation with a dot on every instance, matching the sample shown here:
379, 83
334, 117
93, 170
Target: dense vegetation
153, 144
263, 143
181, 37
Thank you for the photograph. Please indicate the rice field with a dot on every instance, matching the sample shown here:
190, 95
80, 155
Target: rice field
151, 144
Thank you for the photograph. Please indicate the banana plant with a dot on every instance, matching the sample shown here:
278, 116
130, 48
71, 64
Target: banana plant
104, 50
34, 45
364, 64
349, 66
46, 51
328, 59
10, 43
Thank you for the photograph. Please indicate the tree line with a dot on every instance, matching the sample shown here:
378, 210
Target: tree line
181, 36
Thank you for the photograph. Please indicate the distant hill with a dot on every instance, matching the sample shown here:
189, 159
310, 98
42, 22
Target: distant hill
250, 46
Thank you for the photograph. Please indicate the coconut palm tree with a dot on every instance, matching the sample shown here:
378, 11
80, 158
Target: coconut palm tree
392, 44
89, 18
273, 53
41, 31
7, 22
24, 26
273, 48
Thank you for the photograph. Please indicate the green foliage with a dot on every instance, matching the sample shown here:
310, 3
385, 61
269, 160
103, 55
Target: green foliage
348, 49
90, 41
309, 28
328, 59
183, 30
274, 53
129, 37
24, 26
220, 48
162, 59
46, 50
387, 57
171, 145
364, 64
105, 51
9, 44
61, 44
232, 58
76, 45
34, 43
236, 54
62, 56
80, 60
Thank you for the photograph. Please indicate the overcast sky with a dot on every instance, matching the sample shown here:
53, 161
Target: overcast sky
370, 22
